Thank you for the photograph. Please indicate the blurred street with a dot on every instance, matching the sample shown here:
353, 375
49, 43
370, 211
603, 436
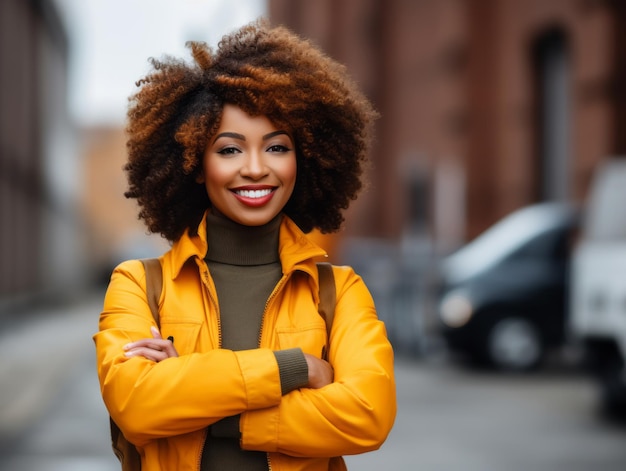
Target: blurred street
449, 419
492, 223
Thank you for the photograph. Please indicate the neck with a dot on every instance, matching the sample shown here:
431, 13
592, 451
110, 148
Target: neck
236, 244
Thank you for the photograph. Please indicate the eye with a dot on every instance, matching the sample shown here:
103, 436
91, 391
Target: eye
228, 151
278, 148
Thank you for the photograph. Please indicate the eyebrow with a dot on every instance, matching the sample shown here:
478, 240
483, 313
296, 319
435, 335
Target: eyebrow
234, 135
275, 133
241, 137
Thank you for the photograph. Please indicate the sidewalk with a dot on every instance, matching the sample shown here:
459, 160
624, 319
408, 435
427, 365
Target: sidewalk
449, 419
38, 355
51, 414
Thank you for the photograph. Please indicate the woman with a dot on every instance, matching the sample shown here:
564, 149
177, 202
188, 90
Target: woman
233, 159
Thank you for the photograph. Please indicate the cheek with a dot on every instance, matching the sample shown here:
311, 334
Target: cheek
215, 176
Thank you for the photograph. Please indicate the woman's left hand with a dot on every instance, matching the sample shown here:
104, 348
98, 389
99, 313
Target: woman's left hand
156, 348
320, 372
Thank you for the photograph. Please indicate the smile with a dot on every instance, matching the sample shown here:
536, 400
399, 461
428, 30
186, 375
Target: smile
253, 194
254, 198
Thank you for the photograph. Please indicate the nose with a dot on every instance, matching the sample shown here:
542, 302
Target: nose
254, 166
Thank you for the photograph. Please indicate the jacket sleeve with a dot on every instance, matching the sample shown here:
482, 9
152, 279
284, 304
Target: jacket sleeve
151, 400
355, 413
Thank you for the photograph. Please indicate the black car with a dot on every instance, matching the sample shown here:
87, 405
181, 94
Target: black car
505, 294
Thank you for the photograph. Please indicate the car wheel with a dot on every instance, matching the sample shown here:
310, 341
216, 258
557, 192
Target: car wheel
514, 344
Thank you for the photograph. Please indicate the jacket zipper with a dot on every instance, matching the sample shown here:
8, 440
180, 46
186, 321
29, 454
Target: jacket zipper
204, 435
278, 287
205, 281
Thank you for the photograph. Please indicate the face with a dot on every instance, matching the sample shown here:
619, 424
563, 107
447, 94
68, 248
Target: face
249, 168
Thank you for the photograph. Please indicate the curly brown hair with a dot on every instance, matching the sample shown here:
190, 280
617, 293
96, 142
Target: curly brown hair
265, 71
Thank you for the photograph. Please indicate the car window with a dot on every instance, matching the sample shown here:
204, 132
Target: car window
549, 245
515, 235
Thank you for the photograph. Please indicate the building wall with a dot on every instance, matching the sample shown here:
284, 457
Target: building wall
20, 183
39, 229
459, 139
113, 233
501, 160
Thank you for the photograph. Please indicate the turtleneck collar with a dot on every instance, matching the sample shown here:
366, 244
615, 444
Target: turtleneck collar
236, 244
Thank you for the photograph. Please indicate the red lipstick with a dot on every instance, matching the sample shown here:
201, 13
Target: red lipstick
254, 196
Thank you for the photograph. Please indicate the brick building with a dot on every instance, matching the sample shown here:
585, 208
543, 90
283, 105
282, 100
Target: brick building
486, 105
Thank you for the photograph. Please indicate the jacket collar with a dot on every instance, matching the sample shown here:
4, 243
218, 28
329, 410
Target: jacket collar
296, 250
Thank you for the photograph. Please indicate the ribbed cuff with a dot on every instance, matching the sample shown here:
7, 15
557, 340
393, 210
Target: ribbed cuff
293, 369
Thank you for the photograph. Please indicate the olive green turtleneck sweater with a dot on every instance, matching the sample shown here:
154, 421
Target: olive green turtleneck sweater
245, 266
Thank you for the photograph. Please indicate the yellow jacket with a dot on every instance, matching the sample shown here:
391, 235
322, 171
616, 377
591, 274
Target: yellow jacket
165, 408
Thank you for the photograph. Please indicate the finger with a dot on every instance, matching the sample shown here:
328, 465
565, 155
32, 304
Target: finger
159, 346
156, 344
148, 353
156, 335
170, 350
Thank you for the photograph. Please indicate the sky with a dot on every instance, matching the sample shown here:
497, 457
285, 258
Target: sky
112, 40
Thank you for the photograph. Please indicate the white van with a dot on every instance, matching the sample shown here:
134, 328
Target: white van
598, 294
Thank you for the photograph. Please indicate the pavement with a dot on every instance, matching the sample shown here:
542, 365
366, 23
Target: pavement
51, 414
449, 419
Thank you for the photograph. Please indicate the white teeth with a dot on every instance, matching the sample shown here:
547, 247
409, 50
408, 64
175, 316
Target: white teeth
254, 193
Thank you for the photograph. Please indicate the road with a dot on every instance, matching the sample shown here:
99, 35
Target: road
450, 418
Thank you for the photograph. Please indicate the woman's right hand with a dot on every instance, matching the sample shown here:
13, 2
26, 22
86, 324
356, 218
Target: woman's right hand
156, 349
321, 373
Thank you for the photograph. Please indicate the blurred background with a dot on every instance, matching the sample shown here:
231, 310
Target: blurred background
492, 233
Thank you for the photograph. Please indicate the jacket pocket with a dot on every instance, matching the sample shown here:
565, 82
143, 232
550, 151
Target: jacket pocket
310, 338
184, 334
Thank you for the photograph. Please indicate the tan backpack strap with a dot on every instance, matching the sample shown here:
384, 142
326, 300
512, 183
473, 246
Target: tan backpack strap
328, 299
154, 285
123, 449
